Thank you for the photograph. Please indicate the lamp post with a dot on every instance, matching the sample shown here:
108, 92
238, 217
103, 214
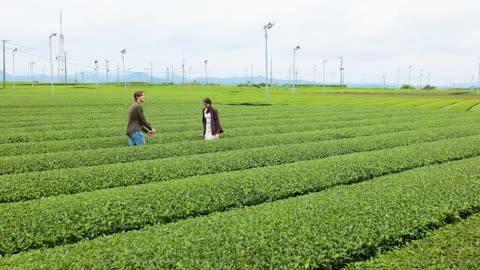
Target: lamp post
398, 77
151, 73
420, 79
183, 71
266, 27
293, 75
324, 61
96, 72
4, 72
107, 68
189, 74
341, 72
123, 52
145, 74
206, 74
51, 61
32, 71
409, 72
13, 61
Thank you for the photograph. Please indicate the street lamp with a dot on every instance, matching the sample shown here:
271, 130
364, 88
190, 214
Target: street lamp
206, 74
420, 79
189, 74
342, 76
96, 72
324, 61
4, 72
293, 75
13, 60
123, 52
107, 68
51, 61
145, 76
409, 72
266, 27
32, 71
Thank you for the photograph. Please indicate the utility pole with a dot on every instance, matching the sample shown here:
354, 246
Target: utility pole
409, 72
420, 79
293, 69
96, 72
384, 83
123, 52
32, 72
4, 63
14, 50
183, 71
252, 74
107, 68
61, 52
324, 61
341, 71
206, 74
266, 27
151, 73
145, 70
66, 82
190, 74
398, 77
296, 76
314, 68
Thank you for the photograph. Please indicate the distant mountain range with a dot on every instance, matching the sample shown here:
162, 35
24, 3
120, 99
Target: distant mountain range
89, 77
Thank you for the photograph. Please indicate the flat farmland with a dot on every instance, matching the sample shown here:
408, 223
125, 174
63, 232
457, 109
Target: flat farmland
346, 178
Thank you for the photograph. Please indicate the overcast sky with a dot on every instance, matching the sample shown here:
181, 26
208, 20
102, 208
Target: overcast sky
375, 37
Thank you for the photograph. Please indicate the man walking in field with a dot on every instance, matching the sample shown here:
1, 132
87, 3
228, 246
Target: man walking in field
137, 124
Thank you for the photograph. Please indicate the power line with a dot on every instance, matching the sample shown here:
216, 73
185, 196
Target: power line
25, 47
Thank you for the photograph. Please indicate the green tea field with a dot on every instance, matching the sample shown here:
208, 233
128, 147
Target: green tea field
342, 179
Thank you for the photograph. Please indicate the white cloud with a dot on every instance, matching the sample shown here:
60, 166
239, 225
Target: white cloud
374, 36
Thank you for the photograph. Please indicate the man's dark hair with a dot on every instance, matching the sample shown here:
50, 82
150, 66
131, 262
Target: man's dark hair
137, 94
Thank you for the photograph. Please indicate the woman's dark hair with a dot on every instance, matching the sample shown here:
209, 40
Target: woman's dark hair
137, 94
208, 101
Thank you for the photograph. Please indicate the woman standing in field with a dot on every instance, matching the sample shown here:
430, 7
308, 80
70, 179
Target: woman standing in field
210, 120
